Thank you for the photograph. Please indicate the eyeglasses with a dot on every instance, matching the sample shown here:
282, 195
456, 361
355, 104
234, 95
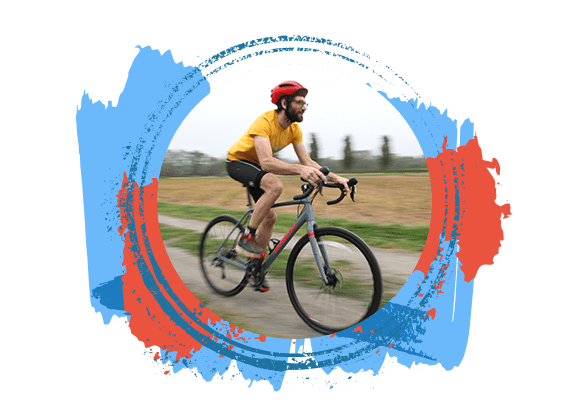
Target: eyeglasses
302, 103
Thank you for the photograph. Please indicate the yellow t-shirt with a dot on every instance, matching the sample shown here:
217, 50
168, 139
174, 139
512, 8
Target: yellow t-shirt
266, 125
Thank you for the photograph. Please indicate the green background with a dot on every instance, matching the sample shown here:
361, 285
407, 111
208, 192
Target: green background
500, 65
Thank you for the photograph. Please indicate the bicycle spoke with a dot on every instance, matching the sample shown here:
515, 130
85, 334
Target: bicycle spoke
223, 269
354, 284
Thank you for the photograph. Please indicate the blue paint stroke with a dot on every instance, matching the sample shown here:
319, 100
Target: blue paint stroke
133, 138
109, 294
130, 138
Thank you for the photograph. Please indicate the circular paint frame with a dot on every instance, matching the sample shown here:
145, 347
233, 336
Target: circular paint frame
131, 276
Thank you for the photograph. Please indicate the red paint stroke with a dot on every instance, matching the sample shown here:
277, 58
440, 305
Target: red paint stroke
358, 329
377, 351
166, 372
157, 356
148, 322
431, 313
439, 284
262, 338
390, 345
479, 225
333, 335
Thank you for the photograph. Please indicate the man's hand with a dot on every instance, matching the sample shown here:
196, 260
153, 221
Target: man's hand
340, 180
312, 175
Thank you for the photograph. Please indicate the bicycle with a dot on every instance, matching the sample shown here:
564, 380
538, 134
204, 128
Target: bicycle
332, 277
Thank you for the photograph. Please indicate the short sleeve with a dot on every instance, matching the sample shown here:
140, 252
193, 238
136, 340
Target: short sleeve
261, 127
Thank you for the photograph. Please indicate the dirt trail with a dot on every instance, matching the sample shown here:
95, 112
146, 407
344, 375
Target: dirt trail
269, 313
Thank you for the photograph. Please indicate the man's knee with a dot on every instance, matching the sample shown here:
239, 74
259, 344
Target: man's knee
272, 184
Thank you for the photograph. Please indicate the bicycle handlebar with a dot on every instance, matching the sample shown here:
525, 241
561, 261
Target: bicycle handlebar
351, 183
308, 188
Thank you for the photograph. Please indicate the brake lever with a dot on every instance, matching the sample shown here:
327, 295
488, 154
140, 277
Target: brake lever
352, 183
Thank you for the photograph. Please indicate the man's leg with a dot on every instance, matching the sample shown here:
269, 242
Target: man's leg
266, 229
263, 212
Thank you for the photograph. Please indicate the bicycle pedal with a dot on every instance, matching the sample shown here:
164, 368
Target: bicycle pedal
261, 286
255, 284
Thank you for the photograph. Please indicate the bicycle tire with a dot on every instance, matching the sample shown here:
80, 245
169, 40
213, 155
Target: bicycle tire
223, 277
356, 290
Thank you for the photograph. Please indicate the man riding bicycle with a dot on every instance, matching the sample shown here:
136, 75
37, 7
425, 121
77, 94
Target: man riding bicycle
251, 162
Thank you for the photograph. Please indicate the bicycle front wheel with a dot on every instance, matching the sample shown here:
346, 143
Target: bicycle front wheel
354, 287
223, 268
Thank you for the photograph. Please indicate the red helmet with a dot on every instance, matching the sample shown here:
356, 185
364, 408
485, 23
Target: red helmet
288, 87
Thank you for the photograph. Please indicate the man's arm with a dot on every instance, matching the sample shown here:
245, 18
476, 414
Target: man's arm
306, 160
279, 167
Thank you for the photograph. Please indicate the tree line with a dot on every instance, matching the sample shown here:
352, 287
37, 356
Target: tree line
182, 163
362, 161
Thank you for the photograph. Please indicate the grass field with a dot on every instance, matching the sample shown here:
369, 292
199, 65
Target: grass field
390, 211
390, 199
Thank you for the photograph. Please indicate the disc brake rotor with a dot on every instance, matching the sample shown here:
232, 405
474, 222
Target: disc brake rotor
334, 278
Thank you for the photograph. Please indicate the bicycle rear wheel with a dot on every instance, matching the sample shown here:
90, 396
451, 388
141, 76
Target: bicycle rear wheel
354, 289
223, 268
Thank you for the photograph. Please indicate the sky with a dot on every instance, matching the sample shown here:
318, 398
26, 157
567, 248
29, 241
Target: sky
339, 105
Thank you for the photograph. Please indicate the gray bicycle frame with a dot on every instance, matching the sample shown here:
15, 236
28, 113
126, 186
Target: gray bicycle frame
306, 216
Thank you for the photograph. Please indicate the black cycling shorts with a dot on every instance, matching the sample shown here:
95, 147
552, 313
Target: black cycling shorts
248, 174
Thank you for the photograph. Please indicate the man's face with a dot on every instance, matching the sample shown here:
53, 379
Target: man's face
296, 109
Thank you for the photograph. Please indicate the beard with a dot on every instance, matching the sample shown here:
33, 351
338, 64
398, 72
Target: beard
292, 114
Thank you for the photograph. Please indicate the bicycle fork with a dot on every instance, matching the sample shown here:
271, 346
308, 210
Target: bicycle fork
319, 252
